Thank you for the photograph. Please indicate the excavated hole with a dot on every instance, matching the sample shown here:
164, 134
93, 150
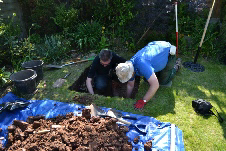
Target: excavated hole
115, 89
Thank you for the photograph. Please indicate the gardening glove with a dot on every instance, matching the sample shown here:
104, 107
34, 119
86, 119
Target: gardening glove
140, 104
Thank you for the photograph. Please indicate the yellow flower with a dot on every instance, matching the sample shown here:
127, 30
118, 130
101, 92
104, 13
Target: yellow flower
103, 28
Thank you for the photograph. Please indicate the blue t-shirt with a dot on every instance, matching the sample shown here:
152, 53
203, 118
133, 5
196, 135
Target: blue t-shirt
151, 58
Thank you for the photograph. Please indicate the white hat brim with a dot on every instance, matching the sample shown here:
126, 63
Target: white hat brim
130, 74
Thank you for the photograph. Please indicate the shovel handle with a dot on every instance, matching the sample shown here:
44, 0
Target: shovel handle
76, 62
123, 121
119, 119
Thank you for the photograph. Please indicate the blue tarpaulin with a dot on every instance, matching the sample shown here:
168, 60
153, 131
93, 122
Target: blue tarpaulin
158, 132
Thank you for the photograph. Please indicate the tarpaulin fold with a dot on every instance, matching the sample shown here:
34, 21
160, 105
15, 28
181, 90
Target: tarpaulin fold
158, 132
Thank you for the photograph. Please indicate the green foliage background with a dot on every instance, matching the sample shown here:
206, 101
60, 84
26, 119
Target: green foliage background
55, 27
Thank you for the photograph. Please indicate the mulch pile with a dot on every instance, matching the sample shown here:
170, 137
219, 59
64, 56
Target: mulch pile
67, 133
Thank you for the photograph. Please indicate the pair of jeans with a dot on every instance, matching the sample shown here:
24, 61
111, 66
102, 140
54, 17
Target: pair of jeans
101, 82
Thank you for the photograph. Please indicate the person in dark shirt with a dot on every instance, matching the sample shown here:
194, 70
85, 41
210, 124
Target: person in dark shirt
102, 70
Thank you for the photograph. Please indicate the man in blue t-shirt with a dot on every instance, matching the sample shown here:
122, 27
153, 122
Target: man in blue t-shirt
156, 62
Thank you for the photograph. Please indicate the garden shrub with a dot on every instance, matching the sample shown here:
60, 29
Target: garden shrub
220, 42
88, 36
191, 25
9, 36
77, 21
61, 16
66, 18
4, 76
39, 12
54, 49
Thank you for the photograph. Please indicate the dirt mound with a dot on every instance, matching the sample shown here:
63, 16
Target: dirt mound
67, 133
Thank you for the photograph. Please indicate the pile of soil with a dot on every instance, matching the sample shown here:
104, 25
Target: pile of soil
115, 88
84, 99
67, 133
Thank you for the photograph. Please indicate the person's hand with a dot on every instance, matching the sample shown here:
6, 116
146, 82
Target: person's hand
139, 105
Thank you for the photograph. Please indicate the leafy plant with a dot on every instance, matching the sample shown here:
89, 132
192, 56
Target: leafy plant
191, 28
66, 18
36, 38
220, 42
41, 14
114, 15
4, 76
131, 45
54, 49
9, 32
18, 50
103, 43
88, 36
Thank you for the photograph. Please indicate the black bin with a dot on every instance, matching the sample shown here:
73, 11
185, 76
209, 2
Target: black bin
36, 65
24, 81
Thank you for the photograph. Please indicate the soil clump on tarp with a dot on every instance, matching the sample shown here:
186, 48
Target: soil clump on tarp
67, 133
115, 88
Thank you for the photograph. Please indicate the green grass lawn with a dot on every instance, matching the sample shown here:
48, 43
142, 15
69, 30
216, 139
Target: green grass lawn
172, 104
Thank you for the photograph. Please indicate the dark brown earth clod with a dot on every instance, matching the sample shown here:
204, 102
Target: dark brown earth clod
136, 140
21, 124
86, 113
11, 128
148, 145
36, 124
31, 119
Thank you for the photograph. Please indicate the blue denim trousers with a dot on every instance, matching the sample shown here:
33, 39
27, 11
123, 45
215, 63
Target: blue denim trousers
101, 82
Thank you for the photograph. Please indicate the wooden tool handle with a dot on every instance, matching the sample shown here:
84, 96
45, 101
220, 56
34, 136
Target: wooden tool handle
82, 61
75, 62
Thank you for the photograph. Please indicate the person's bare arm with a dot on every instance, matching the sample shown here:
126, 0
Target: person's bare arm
154, 85
130, 86
89, 85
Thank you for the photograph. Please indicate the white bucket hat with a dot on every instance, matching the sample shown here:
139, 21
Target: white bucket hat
124, 71
173, 50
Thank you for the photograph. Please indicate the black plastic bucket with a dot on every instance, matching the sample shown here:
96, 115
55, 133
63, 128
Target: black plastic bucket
24, 81
35, 65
